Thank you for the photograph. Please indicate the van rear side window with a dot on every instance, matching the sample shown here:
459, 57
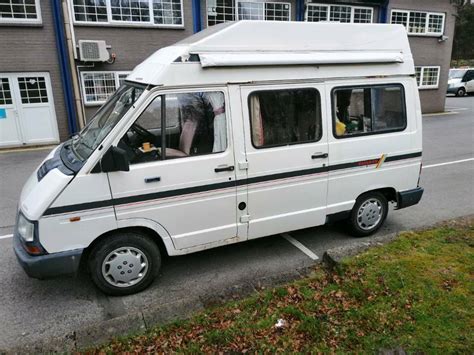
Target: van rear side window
365, 110
283, 117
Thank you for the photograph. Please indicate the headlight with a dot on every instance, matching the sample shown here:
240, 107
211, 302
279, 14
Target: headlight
26, 229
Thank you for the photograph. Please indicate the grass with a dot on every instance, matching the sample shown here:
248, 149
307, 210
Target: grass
415, 293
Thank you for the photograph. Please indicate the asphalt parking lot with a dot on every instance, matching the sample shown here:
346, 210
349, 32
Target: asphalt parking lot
33, 310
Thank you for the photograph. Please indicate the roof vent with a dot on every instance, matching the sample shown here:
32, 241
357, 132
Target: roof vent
93, 51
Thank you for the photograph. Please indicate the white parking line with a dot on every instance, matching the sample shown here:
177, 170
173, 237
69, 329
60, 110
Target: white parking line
457, 108
440, 114
6, 236
300, 246
447, 163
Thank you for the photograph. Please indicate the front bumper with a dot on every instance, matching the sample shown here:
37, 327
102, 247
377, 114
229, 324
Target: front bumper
49, 265
452, 90
409, 198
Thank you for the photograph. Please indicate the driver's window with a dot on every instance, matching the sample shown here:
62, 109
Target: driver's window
195, 124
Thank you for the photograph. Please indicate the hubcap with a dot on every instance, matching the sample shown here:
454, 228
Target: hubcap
125, 267
369, 214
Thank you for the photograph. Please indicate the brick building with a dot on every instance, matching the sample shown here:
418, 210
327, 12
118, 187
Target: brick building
48, 90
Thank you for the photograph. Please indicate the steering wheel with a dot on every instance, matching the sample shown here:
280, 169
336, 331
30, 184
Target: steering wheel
143, 132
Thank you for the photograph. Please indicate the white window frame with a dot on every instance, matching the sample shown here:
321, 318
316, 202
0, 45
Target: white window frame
111, 22
236, 9
427, 14
328, 11
117, 84
237, 2
422, 74
38, 20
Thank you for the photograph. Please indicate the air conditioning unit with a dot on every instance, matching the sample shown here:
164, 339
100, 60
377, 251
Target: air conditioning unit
93, 51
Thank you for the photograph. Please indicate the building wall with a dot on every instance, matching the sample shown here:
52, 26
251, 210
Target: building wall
32, 48
428, 51
131, 44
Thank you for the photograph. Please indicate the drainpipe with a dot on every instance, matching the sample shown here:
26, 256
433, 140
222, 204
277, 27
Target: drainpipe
197, 15
64, 65
71, 46
300, 10
383, 12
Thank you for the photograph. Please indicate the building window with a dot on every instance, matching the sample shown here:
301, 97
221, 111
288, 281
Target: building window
5, 92
419, 23
20, 11
130, 10
362, 15
167, 12
282, 117
339, 13
33, 90
427, 77
135, 12
219, 11
98, 86
368, 110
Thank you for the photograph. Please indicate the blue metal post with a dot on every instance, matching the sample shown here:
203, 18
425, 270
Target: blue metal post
63, 55
383, 12
197, 15
300, 10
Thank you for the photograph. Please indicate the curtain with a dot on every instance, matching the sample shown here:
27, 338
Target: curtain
256, 118
216, 99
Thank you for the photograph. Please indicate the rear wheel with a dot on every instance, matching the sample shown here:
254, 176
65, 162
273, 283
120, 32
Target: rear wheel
461, 92
124, 263
368, 214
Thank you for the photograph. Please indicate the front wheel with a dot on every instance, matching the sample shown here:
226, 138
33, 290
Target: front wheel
461, 92
124, 263
368, 214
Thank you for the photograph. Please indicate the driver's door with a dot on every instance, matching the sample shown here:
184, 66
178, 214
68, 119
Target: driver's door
186, 183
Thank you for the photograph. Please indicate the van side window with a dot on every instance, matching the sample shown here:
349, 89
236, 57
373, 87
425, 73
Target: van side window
282, 117
195, 124
469, 76
368, 110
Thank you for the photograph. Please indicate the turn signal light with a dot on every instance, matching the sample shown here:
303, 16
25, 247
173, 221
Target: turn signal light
33, 250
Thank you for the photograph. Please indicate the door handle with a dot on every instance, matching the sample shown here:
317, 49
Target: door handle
152, 179
224, 168
319, 156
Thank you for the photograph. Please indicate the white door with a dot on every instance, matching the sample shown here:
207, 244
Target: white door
286, 145
27, 113
189, 188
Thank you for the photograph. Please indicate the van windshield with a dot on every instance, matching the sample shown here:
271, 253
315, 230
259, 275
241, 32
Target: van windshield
105, 120
456, 73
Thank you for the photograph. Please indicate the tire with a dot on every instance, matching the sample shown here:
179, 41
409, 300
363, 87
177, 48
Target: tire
112, 266
461, 92
374, 206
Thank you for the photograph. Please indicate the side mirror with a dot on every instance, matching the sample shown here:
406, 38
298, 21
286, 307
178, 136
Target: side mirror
115, 159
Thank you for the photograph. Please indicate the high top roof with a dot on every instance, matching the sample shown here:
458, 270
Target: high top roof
243, 45
262, 36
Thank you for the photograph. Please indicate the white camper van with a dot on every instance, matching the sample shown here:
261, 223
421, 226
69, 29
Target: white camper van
244, 130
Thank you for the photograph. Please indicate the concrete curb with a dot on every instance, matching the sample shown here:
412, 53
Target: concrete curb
333, 257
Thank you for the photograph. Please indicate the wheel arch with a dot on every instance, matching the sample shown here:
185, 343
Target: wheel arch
144, 226
389, 192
